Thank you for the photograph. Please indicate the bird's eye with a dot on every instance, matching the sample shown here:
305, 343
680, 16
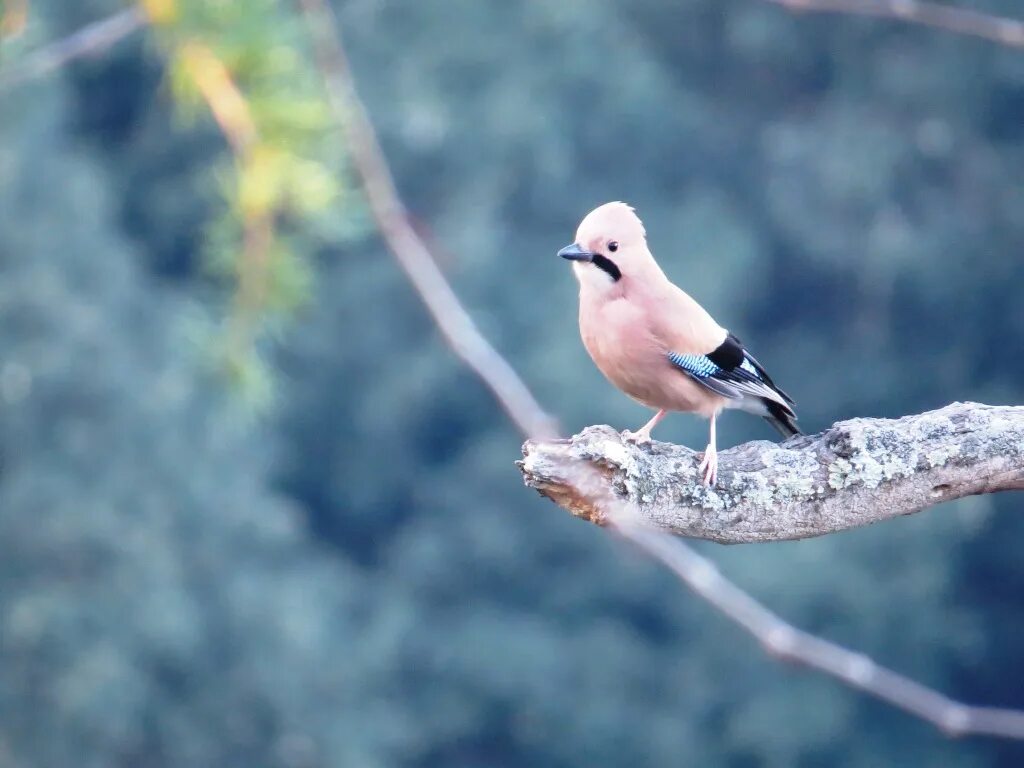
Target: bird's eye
613, 246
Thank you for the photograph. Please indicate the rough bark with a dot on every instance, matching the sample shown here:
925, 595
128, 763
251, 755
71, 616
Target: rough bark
857, 472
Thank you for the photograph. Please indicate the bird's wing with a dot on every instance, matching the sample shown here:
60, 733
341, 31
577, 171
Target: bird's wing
732, 372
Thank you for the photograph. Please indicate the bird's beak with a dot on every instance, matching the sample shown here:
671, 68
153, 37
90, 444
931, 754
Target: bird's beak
575, 253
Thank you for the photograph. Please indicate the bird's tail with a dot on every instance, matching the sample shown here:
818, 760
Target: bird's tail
782, 418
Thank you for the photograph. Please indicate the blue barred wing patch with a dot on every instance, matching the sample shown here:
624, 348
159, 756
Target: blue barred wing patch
732, 372
697, 365
736, 383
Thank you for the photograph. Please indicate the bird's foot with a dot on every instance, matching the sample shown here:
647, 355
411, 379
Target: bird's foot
643, 435
640, 437
709, 466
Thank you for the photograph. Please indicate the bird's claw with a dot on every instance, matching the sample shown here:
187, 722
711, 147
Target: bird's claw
640, 437
709, 467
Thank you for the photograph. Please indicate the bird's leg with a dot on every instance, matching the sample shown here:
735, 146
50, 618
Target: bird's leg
643, 435
709, 464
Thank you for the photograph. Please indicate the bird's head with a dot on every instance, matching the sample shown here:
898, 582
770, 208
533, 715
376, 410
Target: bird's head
610, 245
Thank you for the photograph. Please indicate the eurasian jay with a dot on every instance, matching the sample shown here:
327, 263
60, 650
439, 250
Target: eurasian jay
654, 342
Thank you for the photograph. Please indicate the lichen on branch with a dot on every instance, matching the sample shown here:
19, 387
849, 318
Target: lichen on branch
855, 473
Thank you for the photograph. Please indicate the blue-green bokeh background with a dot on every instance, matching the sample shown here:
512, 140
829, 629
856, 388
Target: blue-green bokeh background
359, 578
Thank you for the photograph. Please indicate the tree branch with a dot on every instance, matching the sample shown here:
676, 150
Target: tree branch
855, 473
91, 40
961, 21
409, 250
592, 489
787, 643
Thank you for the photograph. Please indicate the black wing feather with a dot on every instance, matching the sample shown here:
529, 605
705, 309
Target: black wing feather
732, 372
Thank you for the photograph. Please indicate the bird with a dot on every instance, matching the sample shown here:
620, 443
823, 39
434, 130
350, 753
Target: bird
656, 343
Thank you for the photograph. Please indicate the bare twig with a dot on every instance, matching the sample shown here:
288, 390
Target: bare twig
962, 21
786, 642
588, 483
91, 40
412, 254
696, 572
584, 481
855, 473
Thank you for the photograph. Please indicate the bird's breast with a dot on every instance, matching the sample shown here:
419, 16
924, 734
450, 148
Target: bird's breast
626, 348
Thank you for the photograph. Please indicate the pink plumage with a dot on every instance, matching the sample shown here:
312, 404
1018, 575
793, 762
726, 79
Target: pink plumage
654, 342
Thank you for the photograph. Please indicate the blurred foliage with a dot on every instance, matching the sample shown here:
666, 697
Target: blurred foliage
360, 578
13, 16
246, 65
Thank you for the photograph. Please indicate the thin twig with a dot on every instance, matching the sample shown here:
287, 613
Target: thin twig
781, 639
91, 40
415, 259
778, 637
786, 642
961, 21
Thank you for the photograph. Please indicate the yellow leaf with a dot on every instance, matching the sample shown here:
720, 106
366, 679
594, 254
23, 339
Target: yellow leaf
14, 18
227, 103
313, 186
261, 181
160, 11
